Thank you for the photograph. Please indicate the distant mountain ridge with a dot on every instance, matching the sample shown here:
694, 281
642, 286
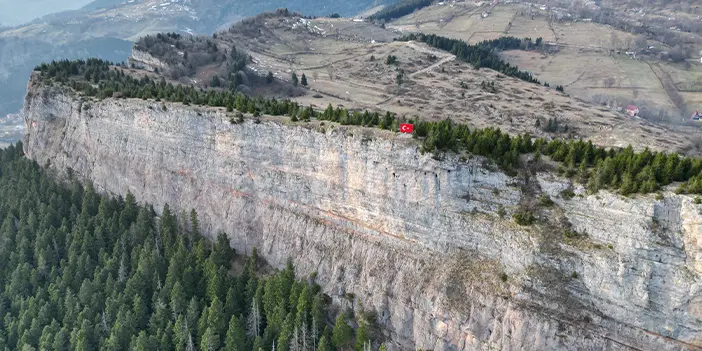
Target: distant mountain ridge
107, 28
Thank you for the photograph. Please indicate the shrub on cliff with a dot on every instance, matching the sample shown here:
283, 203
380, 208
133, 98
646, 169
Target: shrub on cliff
524, 218
545, 200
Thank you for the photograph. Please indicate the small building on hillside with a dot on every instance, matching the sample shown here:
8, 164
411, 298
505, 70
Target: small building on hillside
632, 110
696, 116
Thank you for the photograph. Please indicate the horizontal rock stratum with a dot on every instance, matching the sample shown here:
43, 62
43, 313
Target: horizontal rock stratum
417, 239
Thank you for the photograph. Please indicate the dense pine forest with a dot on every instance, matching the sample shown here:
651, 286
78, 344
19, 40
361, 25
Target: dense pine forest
622, 170
81, 271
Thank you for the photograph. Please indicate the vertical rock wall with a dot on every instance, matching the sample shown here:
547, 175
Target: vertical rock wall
417, 239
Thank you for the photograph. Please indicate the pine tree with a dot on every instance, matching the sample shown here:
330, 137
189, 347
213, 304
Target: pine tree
202, 324
286, 333
583, 172
210, 341
258, 343
140, 311
303, 80
143, 343
178, 302
192, 314
304, 304
84, 338
236, 339
216, 320
362, 335
181, 334
343, 333
222, 253
324, 344
61, 340
194, 224
628, 184
294, 79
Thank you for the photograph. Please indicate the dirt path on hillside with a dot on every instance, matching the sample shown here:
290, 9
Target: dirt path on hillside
509, 25
426, 69
576, 80
446, 58
555, 36
458, 14
669, 86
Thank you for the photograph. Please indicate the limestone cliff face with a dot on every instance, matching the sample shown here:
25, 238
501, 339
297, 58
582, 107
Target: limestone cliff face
417, 239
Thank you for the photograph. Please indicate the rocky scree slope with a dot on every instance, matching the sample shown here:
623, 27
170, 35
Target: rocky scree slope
416, 239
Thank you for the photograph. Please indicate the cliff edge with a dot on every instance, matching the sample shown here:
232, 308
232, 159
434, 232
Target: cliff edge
430, 244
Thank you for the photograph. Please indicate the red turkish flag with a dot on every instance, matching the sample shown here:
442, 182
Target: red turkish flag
406, 128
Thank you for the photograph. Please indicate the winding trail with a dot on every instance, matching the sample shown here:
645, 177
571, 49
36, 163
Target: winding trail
576, 79
426, 69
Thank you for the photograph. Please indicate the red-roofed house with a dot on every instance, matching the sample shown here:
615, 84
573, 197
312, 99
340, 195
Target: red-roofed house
697, 116
632, 110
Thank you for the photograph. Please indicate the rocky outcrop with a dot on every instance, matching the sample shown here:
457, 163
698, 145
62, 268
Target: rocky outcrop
428, 243
144, 60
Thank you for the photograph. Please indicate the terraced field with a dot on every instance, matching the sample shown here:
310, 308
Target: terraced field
585, 57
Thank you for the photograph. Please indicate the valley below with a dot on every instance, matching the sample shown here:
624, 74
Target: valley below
595, 61
11, 129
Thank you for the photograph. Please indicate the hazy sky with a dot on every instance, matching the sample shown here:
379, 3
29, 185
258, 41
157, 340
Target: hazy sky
13, 12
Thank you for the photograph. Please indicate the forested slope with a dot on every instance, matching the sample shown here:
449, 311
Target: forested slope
81, 271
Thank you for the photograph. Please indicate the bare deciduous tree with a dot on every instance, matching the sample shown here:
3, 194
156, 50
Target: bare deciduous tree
254, 321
